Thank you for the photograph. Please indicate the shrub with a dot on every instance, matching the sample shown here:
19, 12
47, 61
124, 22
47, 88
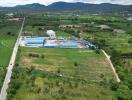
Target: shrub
42, 56
33, 55
76, 64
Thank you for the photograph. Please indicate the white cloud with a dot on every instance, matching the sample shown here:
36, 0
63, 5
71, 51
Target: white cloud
46, 2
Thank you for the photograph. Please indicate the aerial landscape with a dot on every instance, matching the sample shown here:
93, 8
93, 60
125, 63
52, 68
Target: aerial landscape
66, 50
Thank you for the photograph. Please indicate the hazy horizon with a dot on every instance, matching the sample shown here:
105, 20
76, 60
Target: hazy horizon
11, 3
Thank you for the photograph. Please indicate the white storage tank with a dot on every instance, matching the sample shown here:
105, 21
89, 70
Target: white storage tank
51, 33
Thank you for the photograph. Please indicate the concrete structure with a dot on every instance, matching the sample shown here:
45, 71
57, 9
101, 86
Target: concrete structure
51, 34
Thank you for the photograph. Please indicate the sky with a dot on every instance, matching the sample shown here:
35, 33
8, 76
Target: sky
47, 2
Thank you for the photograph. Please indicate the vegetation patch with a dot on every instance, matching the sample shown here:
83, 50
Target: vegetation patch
71, 74
8, 35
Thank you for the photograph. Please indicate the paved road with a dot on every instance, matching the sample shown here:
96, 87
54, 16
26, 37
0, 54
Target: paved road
10, 66
112, 66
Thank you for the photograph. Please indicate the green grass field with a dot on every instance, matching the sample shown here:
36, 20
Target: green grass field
119, 41
70, 74
7, 42
36, 32
57, 77
63, 34
55, 89
102, 18
64, 59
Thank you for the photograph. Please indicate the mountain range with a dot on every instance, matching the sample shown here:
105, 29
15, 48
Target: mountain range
64, 6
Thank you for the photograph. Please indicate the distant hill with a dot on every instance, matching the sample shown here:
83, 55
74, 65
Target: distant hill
64, 6
129, 8
87, 7
24, 8
35, 7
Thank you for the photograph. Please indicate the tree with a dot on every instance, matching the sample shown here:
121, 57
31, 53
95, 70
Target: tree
58, 71
76, 64
42, 56
123, 93
114, 85
128, 24
130, 41
101, 75
97, 51
40, 29
8, 33
116, 57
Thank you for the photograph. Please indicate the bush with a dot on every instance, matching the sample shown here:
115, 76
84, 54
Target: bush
8, 33
114, 85
42, 56
33, 55
76, 64
97, 51
123, 93
130, 41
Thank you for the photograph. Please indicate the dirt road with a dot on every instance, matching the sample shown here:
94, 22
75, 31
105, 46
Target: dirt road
112, 66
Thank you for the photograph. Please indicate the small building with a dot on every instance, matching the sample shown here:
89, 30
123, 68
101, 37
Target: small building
14, 19
10, 14
51, 33
118, 31
103, 27
129, 18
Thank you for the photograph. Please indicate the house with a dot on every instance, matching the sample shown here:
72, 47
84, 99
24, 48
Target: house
51, 33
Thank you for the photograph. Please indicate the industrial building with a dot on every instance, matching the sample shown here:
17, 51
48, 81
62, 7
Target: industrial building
54, 42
